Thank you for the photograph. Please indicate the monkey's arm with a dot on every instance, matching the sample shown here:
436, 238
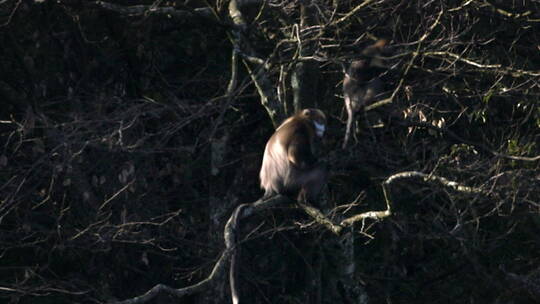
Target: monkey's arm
300, 154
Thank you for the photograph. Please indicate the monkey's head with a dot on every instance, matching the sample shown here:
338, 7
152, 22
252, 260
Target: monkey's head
377, 54
371, 58
362, 70
376, 49
317, 117
357, 66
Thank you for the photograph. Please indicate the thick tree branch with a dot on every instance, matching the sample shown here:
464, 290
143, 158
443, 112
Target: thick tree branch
258, 68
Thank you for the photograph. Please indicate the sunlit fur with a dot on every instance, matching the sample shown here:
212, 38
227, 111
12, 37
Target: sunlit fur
289, 165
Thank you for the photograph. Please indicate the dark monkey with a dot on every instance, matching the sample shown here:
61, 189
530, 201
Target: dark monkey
289, 165
362, 83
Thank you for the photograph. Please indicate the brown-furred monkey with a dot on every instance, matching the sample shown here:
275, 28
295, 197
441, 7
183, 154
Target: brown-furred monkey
362, 83
289, 165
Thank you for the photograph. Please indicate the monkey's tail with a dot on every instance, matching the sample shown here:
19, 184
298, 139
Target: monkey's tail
350, 120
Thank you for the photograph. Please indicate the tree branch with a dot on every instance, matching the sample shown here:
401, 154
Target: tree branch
246, 210
136, 10
496, 67
480, 146
230, 236
259, 70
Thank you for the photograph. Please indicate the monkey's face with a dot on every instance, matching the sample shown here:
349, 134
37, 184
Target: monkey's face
319, 128
318, 118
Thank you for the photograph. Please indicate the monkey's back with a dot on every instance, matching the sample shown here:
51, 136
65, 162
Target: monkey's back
277, 173
360, 94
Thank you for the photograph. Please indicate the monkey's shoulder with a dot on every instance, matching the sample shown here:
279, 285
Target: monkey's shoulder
294, 131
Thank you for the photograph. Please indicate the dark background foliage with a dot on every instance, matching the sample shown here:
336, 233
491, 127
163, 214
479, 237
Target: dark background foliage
122, 153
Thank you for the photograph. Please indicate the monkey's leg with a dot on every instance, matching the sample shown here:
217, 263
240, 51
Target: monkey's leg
369, 126
350, 120
357, 129
313, 183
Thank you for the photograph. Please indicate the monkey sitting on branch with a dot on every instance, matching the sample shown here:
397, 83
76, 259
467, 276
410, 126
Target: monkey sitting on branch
362, 83
289, 165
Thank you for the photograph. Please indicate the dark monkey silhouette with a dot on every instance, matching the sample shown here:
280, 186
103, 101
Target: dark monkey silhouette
289, 165
362, 83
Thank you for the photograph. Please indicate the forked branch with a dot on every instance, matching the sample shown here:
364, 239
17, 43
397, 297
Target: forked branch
246, 210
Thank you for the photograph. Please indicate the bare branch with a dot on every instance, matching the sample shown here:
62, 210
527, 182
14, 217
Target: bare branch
321, 218
377, 215
231, 228
404, 175
353, 11
511, 14
496, 67
260, 68
478, 145
137, 10
433, 178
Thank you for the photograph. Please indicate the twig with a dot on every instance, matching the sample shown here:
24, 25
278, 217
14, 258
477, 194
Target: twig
353, 11
496, 67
